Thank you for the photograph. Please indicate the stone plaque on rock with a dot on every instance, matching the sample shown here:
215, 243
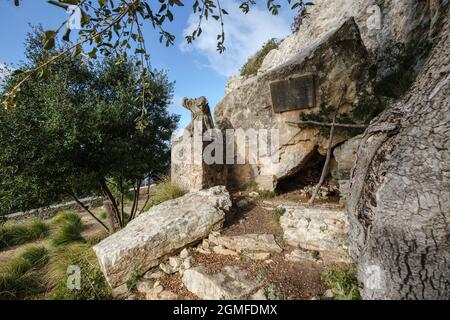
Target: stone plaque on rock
293, 94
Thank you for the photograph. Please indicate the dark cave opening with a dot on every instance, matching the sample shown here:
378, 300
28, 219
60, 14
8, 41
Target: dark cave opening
308, 174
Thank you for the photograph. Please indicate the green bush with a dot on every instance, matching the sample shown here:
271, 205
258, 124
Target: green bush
13, 233
20, 276
343, 282
93, 285
67, 228
253, 64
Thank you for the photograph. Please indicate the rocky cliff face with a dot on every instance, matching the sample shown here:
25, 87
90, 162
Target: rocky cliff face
390, 30
376, 55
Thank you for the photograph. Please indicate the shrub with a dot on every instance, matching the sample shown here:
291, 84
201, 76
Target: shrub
12, 234
343, 282
93, 285
253, 64
20, 276
67, 227
266, 194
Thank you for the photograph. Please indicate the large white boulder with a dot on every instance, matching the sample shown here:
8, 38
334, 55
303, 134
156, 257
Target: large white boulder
160, 232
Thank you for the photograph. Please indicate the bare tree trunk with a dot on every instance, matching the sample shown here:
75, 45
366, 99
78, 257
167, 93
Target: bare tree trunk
399, 203
114, 224
85, 208
329, 150
325, 166
109, 195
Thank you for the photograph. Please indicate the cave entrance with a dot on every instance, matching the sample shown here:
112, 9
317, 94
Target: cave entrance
307, 174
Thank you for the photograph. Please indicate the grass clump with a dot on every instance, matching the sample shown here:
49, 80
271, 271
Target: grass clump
266, 194
164, 191
20, 276
343, 282
12, 234
277, 214
93, 285
253, 64
67, 228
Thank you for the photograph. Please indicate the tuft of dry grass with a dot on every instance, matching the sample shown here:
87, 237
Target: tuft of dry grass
67, 228
15, 233
21, 275
92, 282
164, 191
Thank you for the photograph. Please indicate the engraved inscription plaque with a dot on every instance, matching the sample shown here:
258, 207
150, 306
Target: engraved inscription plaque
293, 94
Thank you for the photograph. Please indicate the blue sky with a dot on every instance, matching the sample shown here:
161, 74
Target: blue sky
198, 69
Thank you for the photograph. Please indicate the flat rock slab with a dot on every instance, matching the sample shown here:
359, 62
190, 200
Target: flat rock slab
298, 255
163, 230
230, 284
315, 229
250, 242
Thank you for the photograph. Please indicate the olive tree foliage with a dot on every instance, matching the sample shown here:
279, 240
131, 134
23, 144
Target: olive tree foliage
73, 133
109, 27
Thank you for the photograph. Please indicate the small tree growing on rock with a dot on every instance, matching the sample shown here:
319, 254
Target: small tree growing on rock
73, 133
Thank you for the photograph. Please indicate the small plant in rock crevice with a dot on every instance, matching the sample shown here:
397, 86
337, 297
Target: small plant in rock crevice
133, 280
277, 214
342, 281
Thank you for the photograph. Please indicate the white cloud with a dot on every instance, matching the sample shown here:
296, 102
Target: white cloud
245, 34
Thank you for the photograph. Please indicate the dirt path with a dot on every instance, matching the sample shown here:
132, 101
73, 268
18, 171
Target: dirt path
288, 280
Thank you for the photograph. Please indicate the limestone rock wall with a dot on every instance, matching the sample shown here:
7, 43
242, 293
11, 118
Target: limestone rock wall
339, 58
401, 22
383, 50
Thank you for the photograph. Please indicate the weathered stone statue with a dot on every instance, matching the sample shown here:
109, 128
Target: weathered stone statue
200, 111
188, 169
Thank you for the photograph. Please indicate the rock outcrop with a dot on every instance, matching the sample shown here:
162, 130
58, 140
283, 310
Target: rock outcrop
160, 232
390, 30
344, 158
340, 57
188, 168
230, 284
399, 205
377, 57
315, 229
